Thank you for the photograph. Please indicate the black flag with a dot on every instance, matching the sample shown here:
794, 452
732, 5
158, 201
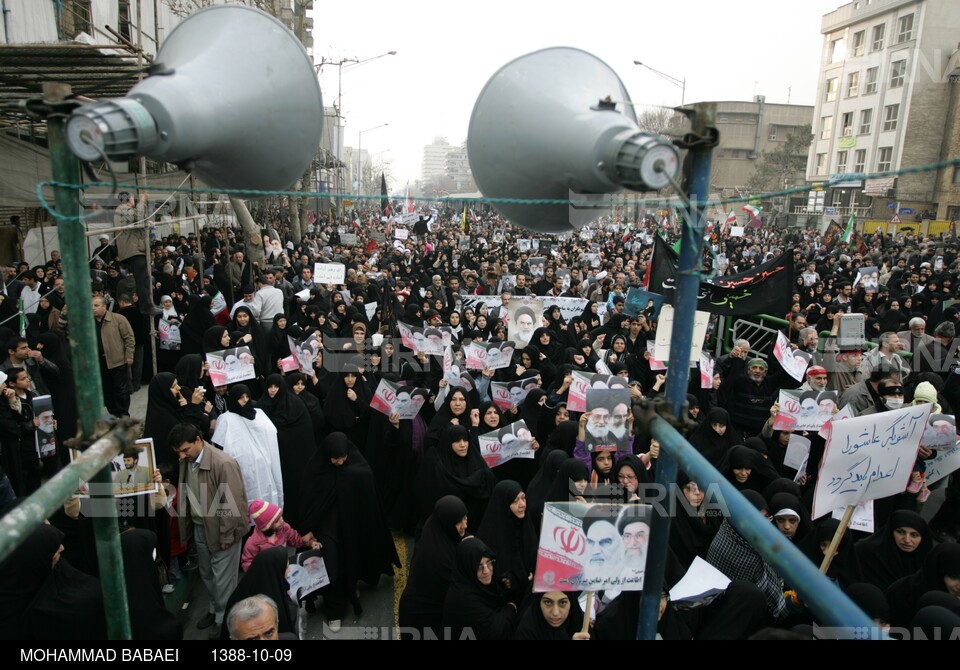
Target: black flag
765, 289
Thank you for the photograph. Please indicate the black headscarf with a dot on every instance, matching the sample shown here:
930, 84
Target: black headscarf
196, 323
534, 627
468, 477
149, 617
512, 539
881, 561
432, 567
189, 373
21, 576
844, 568
739, 456
439, 425
542, 482
163, 413
285, 409
711, 445
247, 411
563, 490
471, 605
564, 437
309, 400
266, 576
691, 532
869, 598
212, 339
904, 594
342, 509
42, 601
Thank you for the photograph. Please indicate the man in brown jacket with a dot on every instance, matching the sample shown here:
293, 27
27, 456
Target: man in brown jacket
132, 247
115, 348
212, 509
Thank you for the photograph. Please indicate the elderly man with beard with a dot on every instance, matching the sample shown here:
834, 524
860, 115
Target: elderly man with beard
816, 379
749, 397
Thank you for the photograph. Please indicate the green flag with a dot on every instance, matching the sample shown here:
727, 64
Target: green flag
851, 222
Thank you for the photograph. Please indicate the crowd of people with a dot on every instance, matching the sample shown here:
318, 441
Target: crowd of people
288, 455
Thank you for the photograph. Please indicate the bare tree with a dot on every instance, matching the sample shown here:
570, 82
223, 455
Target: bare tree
658, 119
785, 164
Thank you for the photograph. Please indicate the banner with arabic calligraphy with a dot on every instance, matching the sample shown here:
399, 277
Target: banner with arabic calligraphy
589, 547
765, 289
869, 457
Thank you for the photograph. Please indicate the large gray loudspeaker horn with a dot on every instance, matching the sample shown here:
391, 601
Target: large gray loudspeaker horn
540, 131
234, 98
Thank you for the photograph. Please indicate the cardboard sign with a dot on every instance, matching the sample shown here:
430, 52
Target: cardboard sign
128, 478
493, 355
391, 398
665, 330
169, 335
869, 457
942, 465
329, 273
794, 362
230, 366
307, 575
583, 381
508, 394
804, 410
862, 518
582, 549
509, 442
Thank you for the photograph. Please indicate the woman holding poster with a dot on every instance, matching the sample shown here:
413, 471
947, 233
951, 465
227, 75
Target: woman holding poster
455, 467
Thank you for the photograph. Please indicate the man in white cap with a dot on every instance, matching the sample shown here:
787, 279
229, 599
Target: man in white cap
106, 251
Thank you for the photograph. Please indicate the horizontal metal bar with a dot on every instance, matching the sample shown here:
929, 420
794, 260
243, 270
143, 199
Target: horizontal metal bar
20, 522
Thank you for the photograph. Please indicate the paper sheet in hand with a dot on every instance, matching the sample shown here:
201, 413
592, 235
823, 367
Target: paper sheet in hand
701, 581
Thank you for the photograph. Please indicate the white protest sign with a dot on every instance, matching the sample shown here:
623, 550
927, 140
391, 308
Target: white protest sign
401, 234
304, 295
329, 273
798, 450
945, 462
512, 441
852, 331
665, 330
869, 457
794, 366
736, 231
391, 398
701, 580
371, 308
862, 518
231, 365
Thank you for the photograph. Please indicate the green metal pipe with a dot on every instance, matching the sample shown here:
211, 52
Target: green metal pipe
21, 521
86, 365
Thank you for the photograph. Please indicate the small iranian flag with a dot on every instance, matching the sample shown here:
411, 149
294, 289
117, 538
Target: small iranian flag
731, 221
848, 233
753, 211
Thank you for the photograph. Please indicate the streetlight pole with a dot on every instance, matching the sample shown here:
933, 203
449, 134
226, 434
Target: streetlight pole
681, 83
338, 106
360, 156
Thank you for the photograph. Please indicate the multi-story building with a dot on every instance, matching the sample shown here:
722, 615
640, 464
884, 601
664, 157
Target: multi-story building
883, 104
434, 164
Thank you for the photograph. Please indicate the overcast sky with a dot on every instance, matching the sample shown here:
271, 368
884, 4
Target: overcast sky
446, 52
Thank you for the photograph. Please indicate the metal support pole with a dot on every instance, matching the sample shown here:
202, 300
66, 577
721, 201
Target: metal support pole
830, 605
86, 362
20, 522
678, 374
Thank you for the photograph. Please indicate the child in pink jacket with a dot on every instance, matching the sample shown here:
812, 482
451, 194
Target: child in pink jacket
270, 530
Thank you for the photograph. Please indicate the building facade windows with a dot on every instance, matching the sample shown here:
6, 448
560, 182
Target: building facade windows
830, 91
826, 127
898, 72
878, 35
853, 84
884, 159
890, 115
841, 161
860, 160
866, 121
859, 39
870, 85
905, 29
